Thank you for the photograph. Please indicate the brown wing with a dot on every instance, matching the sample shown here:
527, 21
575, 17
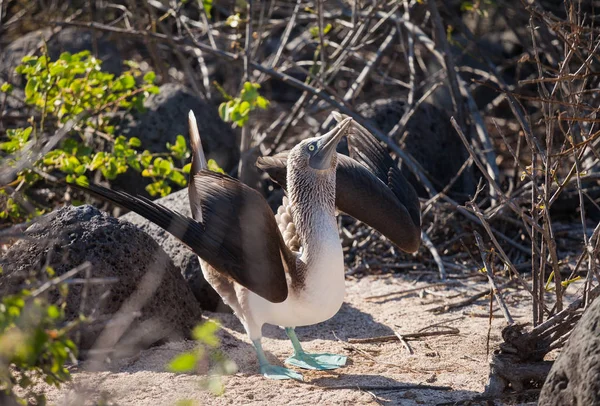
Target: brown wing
362, 195
366, 149
365, 197
276, 167
238, 235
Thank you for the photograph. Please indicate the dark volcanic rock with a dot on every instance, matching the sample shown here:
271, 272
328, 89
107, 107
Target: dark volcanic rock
25, 45
574, 377
181, 255
150, 290
167, 116
430, 139
70, 39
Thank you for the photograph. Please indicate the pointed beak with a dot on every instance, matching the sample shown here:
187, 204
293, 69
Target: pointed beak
326, 145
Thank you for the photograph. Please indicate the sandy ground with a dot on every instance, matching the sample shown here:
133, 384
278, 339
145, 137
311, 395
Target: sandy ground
374, 375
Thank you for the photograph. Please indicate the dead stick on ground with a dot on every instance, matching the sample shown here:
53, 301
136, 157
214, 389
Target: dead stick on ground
468, 301
406, 337
404, 342
369, 356
413, 290
388, 388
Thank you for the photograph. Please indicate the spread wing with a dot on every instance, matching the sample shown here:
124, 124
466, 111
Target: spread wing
366, 198
366, 149
369, 187
237, 234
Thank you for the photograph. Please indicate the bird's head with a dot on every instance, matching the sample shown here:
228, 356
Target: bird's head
311, 168
318, 154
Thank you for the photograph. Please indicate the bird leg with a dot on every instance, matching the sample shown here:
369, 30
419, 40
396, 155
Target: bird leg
304, 360
273, 371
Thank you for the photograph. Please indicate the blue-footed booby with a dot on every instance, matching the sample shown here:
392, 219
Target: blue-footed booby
285, 269
369, 187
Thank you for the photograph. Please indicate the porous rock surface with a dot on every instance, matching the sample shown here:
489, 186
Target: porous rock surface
180, 254
150, 291
574, 377
430, 139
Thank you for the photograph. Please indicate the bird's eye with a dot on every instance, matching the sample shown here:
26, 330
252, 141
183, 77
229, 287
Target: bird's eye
311, 147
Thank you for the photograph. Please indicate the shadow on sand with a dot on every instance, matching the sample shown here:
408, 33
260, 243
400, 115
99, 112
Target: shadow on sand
338, 324
392, 392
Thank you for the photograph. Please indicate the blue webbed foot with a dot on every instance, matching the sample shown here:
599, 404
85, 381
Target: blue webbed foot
277, 372
316, 361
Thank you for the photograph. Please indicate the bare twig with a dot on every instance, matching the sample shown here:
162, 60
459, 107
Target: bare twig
470, 300
405, 336
494, 287
435, 254
388, 387
408, 291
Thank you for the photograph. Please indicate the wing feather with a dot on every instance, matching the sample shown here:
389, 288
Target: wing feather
366, 149
238, 235
369, 187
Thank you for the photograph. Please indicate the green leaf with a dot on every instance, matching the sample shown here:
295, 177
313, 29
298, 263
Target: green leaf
109, 170
82, 181
185, 362
314, 32
30, 89
98, 161
158, 188
187, 168
6, 88
128, 81
205, 333
80, 170
132, 64
180, 141
242, 121
66, 56
262, 102
134, 162
148, 173
244, 108
50, 271
163, 166
180, 149
213, 166
208, 4
178, 178
150, 77
134, 142
224, 112
53, 312
250, 92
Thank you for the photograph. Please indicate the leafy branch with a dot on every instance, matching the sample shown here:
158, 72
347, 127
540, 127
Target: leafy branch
61, 90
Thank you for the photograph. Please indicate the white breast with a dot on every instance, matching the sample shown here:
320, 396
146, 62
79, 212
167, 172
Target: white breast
322, 293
